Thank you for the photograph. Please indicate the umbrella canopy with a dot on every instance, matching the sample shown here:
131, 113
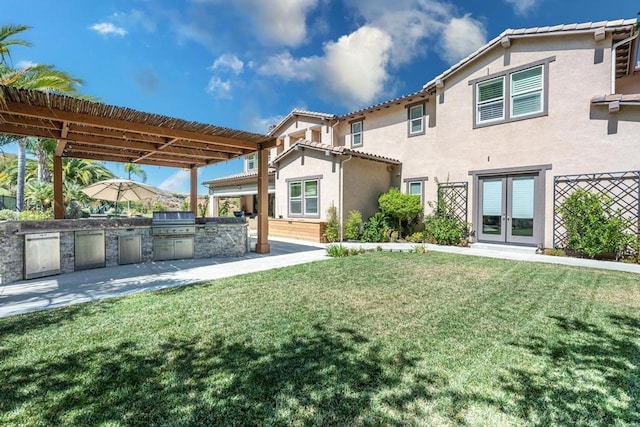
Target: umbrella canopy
118, 190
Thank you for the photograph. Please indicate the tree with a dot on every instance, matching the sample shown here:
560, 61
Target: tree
39, 77
135, 169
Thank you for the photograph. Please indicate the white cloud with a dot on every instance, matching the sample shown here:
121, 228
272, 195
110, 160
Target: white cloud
228, 61
219, 88
285, 66
282, 22
177, 182
23, 65
135, 18
353, 68
356, 65
461, 37
107, 28
521, 7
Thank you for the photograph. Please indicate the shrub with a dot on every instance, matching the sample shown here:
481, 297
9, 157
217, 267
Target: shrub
554, 252
420, 249
417, 237
333, 225
8, 214
337, 251
376, 229
35, 215
224, 209
443, 229
353, 226
404, 208
592, 228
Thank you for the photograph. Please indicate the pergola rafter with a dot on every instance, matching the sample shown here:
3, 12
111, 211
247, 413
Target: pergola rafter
96, 131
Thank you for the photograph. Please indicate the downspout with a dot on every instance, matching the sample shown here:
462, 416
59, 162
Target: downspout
340, 189
613, 59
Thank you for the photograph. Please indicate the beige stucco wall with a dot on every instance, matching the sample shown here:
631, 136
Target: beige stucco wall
573, 138
303, 164
364, 181
628, 85
303, 127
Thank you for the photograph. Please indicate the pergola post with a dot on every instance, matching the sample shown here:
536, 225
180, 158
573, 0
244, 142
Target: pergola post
262, 245
58, 201
193, 194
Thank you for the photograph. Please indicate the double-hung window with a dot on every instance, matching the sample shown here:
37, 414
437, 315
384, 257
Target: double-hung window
415, 188
356, 134
526, 92
252, 162
490, 101
416, 119
303, 197
517, 94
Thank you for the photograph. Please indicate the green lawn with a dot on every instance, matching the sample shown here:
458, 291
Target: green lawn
375, 339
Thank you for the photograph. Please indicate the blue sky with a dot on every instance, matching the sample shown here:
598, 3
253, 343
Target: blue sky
246, 63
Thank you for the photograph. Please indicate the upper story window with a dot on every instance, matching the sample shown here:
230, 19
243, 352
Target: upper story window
252, 160
416, 119
517, 94
356, 134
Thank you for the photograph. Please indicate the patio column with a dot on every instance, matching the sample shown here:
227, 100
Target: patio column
193, 195
58, 201
262, 246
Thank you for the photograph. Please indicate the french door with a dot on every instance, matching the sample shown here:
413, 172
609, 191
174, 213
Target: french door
507, 212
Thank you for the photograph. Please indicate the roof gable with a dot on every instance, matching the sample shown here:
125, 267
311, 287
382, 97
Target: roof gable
299, 113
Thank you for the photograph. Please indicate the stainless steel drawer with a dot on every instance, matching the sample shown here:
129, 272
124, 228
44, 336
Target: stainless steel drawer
129, 249
89, 249
41, 255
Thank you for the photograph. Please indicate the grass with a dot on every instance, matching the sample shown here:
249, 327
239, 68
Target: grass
378, 339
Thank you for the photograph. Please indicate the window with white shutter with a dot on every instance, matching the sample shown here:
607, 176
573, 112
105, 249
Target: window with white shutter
526, 92
490, 101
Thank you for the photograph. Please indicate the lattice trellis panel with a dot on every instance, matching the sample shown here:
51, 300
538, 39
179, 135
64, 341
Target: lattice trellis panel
622, 187
455, 198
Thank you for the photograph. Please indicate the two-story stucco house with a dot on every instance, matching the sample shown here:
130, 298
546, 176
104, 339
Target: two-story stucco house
530, 105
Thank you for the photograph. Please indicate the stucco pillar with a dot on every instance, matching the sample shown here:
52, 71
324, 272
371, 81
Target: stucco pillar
58, 200
262, 246
193, 193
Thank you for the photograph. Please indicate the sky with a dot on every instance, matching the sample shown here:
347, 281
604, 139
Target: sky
245, 64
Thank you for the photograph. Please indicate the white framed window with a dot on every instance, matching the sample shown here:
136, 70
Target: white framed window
517, 94
416, 119
415, 188
527, 92
490, 101
295, 198
304, 197
356, 134
252, 161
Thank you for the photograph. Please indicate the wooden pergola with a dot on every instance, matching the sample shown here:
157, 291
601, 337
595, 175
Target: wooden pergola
96, 131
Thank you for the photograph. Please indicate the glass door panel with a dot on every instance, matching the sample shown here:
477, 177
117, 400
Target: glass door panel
521, 209
492, 209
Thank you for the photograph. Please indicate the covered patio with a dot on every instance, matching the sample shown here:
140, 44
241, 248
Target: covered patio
96, 131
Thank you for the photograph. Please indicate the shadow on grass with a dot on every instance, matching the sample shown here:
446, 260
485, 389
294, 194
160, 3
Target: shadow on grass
319, 378
591, 375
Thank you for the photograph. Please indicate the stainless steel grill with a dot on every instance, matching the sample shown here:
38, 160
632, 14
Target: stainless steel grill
173, 235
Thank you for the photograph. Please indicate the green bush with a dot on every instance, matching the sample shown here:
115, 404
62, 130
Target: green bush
592, 227
332, 232
8, 214
224, 209
353, 226
377, 229
405, 209
443, 229
337, 251
36, 215
417, 237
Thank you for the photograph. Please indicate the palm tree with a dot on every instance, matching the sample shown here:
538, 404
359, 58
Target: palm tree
85, 172
37, 77
135, 169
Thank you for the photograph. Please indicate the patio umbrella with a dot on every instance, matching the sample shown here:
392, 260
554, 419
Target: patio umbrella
119, 190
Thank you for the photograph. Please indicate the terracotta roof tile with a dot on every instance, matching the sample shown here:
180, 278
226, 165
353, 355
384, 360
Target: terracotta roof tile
338, 150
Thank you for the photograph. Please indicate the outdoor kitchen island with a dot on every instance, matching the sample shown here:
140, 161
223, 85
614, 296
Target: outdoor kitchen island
30, 249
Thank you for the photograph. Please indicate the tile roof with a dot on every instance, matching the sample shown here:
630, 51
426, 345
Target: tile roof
298, 112
237, 177
631, 98
617, 25
384, 104
337, 150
